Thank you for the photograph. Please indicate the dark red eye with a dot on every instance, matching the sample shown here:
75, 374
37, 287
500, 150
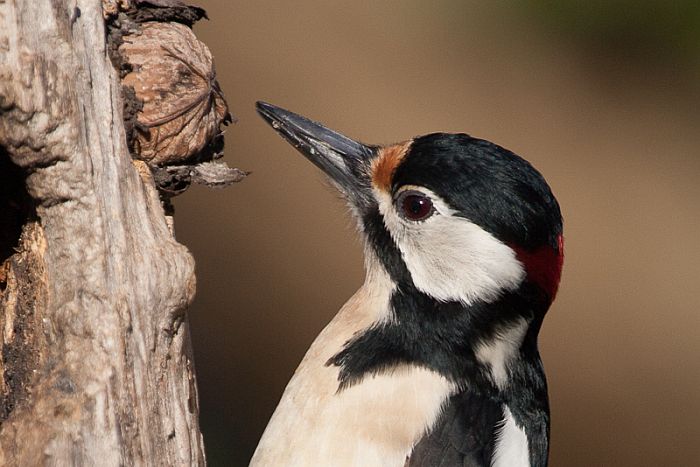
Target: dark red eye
415, 206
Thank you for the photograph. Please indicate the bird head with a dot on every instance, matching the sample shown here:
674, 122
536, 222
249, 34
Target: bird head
459, 218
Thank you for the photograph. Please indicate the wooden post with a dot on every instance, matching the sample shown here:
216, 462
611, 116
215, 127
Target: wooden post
96, 363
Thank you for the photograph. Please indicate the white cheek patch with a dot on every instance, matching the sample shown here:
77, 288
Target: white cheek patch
449, 257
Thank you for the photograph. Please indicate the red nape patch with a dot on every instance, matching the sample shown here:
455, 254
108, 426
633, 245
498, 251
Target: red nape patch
543, 266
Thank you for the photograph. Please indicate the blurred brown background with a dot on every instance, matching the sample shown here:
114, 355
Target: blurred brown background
604, 100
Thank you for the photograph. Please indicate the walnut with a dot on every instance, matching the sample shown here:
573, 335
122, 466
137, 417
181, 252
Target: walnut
172, 74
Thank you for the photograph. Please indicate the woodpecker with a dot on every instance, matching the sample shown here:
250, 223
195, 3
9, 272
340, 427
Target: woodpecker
434, 360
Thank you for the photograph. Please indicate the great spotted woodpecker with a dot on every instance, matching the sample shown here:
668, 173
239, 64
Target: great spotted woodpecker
434, 361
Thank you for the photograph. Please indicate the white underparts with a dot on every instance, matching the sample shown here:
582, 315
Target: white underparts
512, 448
376, 421
449, 257
498, 352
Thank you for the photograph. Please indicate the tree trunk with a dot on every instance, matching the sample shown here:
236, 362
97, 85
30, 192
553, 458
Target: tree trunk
96, 360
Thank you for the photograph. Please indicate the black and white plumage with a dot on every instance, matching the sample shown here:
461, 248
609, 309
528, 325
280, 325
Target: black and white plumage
434, 361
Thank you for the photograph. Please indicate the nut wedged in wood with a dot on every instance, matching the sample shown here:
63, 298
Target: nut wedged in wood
183, 105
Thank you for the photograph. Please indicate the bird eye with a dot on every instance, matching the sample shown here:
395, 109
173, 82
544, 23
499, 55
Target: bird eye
415, 206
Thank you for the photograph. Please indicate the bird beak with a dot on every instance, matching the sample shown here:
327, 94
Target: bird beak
344, 160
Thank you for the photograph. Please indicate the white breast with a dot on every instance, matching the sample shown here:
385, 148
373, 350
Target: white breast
374, 422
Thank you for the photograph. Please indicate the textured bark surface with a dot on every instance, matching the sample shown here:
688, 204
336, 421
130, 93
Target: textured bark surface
96, 366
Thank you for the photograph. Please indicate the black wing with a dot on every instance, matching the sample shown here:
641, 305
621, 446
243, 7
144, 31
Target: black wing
464, 435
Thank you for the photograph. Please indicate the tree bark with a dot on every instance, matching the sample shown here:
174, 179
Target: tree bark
96, 361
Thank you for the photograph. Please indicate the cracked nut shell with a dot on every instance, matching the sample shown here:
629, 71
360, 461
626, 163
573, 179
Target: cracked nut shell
173, 76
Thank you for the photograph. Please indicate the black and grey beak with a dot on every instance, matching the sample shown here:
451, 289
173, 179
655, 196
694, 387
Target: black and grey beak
344, 160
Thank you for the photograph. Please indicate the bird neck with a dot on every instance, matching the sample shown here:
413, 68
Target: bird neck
471, 344
393, 364
474, 345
